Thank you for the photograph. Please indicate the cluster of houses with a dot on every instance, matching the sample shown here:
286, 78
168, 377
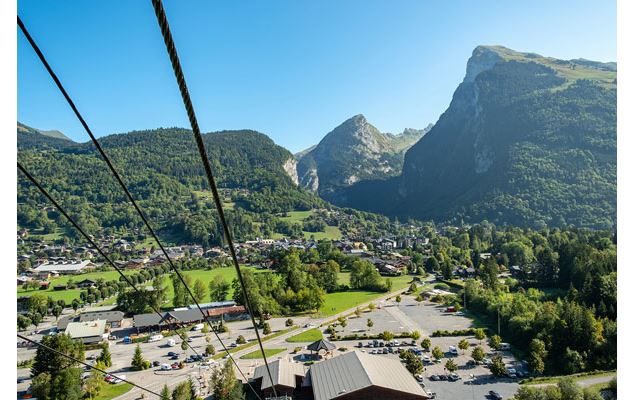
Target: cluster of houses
95, 324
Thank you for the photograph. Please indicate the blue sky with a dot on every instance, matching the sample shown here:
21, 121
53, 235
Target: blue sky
291, 69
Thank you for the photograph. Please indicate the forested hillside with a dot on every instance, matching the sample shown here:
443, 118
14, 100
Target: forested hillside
163, 170
527, 140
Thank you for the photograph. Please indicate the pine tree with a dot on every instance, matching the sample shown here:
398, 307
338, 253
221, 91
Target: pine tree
137, 359
104, 357
165, 393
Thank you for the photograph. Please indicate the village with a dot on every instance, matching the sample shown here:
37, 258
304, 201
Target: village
336, 337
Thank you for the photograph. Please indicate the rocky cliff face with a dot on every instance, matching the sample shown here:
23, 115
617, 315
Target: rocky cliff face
526, 140
353, 151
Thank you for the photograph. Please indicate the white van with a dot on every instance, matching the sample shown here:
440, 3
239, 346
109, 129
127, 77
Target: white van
155, 338
166, 367
171, 342
198, 327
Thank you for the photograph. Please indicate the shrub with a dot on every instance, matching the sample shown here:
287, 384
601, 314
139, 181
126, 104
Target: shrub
241, 340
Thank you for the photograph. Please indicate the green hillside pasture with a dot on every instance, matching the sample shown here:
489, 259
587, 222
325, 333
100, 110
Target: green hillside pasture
70, 294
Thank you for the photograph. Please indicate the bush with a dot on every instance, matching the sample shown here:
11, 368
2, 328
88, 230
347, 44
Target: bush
442, 286
146, 364
342, 349
297, 349
241, 340
288, 323
462, 332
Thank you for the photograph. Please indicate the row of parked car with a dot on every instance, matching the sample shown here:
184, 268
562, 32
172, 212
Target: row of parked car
391, 343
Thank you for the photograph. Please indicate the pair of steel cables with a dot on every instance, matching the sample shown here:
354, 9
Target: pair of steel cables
176, 66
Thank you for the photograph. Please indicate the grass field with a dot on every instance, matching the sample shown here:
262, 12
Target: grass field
258, 354
311, 335
69, 295
330, 232
109, 391
339, 301
297, 216
575, 377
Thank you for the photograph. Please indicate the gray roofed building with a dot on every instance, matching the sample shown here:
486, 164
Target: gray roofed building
113, 318
321, 344
150, 320
356, 375
287, 376
87, 332
64, 267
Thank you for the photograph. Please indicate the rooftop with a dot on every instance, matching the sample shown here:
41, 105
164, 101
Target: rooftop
283, 372
79, 330
354, 371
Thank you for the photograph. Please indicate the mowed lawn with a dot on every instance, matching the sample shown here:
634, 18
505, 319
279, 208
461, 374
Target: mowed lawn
311, 335
109, 391
258, 354
337, 302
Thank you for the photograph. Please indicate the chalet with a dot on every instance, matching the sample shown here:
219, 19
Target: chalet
23, 279
232, 313
137, 263
45, 285
86, 283
387, 244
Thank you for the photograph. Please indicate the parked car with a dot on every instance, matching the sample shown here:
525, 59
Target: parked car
495, 395
360, 344
174, 357
459, 313
425, 359
118, 379
198, 327
487, 361
171, 353
471, 363
434, 378
443, 377
453, 377
419, 377
155, 338
505, 346
156, 363
511, 372
431, 395
385, 350
165, 367
413, 342
453, 351
112, 337
175, 366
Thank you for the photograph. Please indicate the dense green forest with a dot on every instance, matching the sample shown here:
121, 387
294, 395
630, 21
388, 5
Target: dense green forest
163, 170
559, 309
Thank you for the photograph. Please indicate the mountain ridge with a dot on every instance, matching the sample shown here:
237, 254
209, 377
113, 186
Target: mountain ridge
527, 140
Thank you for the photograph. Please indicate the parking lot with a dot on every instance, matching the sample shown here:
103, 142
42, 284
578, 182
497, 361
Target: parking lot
409, 315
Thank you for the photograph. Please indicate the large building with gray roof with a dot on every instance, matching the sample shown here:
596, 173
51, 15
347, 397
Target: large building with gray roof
350, 376
356, 375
